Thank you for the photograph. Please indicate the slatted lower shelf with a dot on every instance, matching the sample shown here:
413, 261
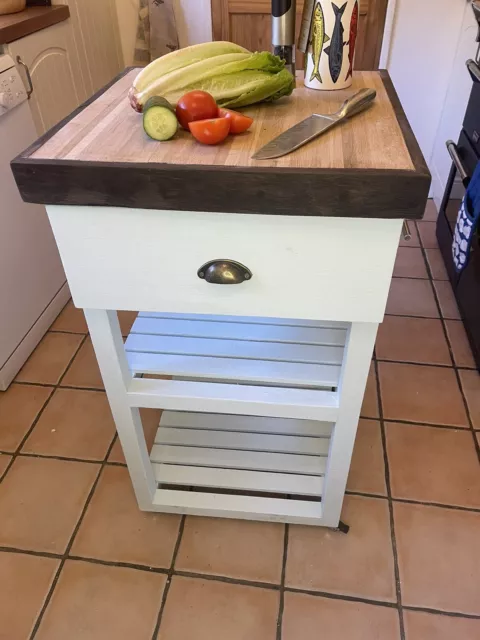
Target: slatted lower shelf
247, 454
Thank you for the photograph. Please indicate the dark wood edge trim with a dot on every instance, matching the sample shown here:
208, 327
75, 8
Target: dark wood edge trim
78, 165
334, 193
410, 140
56, 128
33, 23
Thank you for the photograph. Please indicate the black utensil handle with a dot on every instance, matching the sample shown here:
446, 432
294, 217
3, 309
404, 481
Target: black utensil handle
283, 25
280, 7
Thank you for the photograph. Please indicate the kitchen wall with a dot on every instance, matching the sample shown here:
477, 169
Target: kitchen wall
425, 56
193, 23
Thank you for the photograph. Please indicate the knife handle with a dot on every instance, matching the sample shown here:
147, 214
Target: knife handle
356, 103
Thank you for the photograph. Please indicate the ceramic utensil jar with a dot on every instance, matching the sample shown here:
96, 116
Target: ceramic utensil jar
333, 33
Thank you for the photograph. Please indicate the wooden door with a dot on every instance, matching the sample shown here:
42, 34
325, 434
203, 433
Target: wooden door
52, 59
248, 22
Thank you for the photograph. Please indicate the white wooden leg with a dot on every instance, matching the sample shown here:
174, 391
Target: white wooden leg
108, 344
353, 379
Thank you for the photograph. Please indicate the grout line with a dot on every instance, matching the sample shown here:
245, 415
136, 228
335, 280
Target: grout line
115, 563
31, 552
240, 582
416, 364
169, 578
450, 348
70, 333
46, 456
64, 386
345, 597
452, 507
451, 614
71, 541
411, 423
427, 364
228, 580
282, 583
390, 507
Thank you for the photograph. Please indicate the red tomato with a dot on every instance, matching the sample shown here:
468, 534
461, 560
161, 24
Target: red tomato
238, 122
195, 105
210, 131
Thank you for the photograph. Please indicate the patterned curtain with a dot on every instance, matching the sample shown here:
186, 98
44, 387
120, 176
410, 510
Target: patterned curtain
156, 31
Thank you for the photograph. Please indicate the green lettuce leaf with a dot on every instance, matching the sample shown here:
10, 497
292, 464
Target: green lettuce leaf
233, 79
242, 88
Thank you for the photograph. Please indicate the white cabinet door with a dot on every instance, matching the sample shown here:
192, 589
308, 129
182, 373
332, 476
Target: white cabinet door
53, 62
97, 38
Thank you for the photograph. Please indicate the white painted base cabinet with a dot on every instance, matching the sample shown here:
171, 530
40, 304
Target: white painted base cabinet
260, 383
52, 60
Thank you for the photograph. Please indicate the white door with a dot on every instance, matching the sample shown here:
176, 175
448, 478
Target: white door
52, 59
453, 112
97, 38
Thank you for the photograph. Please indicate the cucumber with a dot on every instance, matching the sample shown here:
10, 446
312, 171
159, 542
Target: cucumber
159, 119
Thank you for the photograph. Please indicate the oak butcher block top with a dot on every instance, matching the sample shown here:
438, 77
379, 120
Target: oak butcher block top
369, 166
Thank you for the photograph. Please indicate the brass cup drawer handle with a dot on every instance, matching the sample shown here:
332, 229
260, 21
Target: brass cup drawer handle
224, 272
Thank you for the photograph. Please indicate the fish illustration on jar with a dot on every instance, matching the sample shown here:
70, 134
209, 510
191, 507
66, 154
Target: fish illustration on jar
352, 39
335, 49
319, 37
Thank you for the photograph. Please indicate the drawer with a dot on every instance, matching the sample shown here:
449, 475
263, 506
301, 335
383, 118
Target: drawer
302, 267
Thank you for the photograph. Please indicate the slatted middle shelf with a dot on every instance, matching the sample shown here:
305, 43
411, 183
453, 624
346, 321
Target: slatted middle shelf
246, 350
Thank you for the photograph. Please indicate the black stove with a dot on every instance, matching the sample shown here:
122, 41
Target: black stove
465, 154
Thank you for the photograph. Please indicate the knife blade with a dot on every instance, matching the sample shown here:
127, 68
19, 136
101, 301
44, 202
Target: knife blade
313, 126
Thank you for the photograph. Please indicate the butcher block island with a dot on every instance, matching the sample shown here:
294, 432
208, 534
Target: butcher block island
260, 286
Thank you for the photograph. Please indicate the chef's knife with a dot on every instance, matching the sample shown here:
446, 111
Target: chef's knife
313, 126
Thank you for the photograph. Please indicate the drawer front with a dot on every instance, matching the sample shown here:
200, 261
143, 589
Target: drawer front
302, 267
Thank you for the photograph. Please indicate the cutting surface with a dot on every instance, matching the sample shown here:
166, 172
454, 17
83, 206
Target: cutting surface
109, 130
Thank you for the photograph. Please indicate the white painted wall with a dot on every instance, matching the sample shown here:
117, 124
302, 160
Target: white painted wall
193, 18
458, 93
425, 56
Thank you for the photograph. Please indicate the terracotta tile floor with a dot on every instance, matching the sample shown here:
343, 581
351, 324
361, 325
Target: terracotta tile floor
78, 560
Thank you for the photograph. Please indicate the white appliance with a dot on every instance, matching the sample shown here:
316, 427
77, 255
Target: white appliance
32, 281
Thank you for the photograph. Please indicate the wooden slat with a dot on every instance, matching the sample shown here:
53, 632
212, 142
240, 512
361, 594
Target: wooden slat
274, 322
242, 441
229, 398
226, 369
238, 480
233, 459
239, 507
209, 347
238, 331
246, 424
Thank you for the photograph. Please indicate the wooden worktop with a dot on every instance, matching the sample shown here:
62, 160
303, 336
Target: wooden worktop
369, 166
18, 25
